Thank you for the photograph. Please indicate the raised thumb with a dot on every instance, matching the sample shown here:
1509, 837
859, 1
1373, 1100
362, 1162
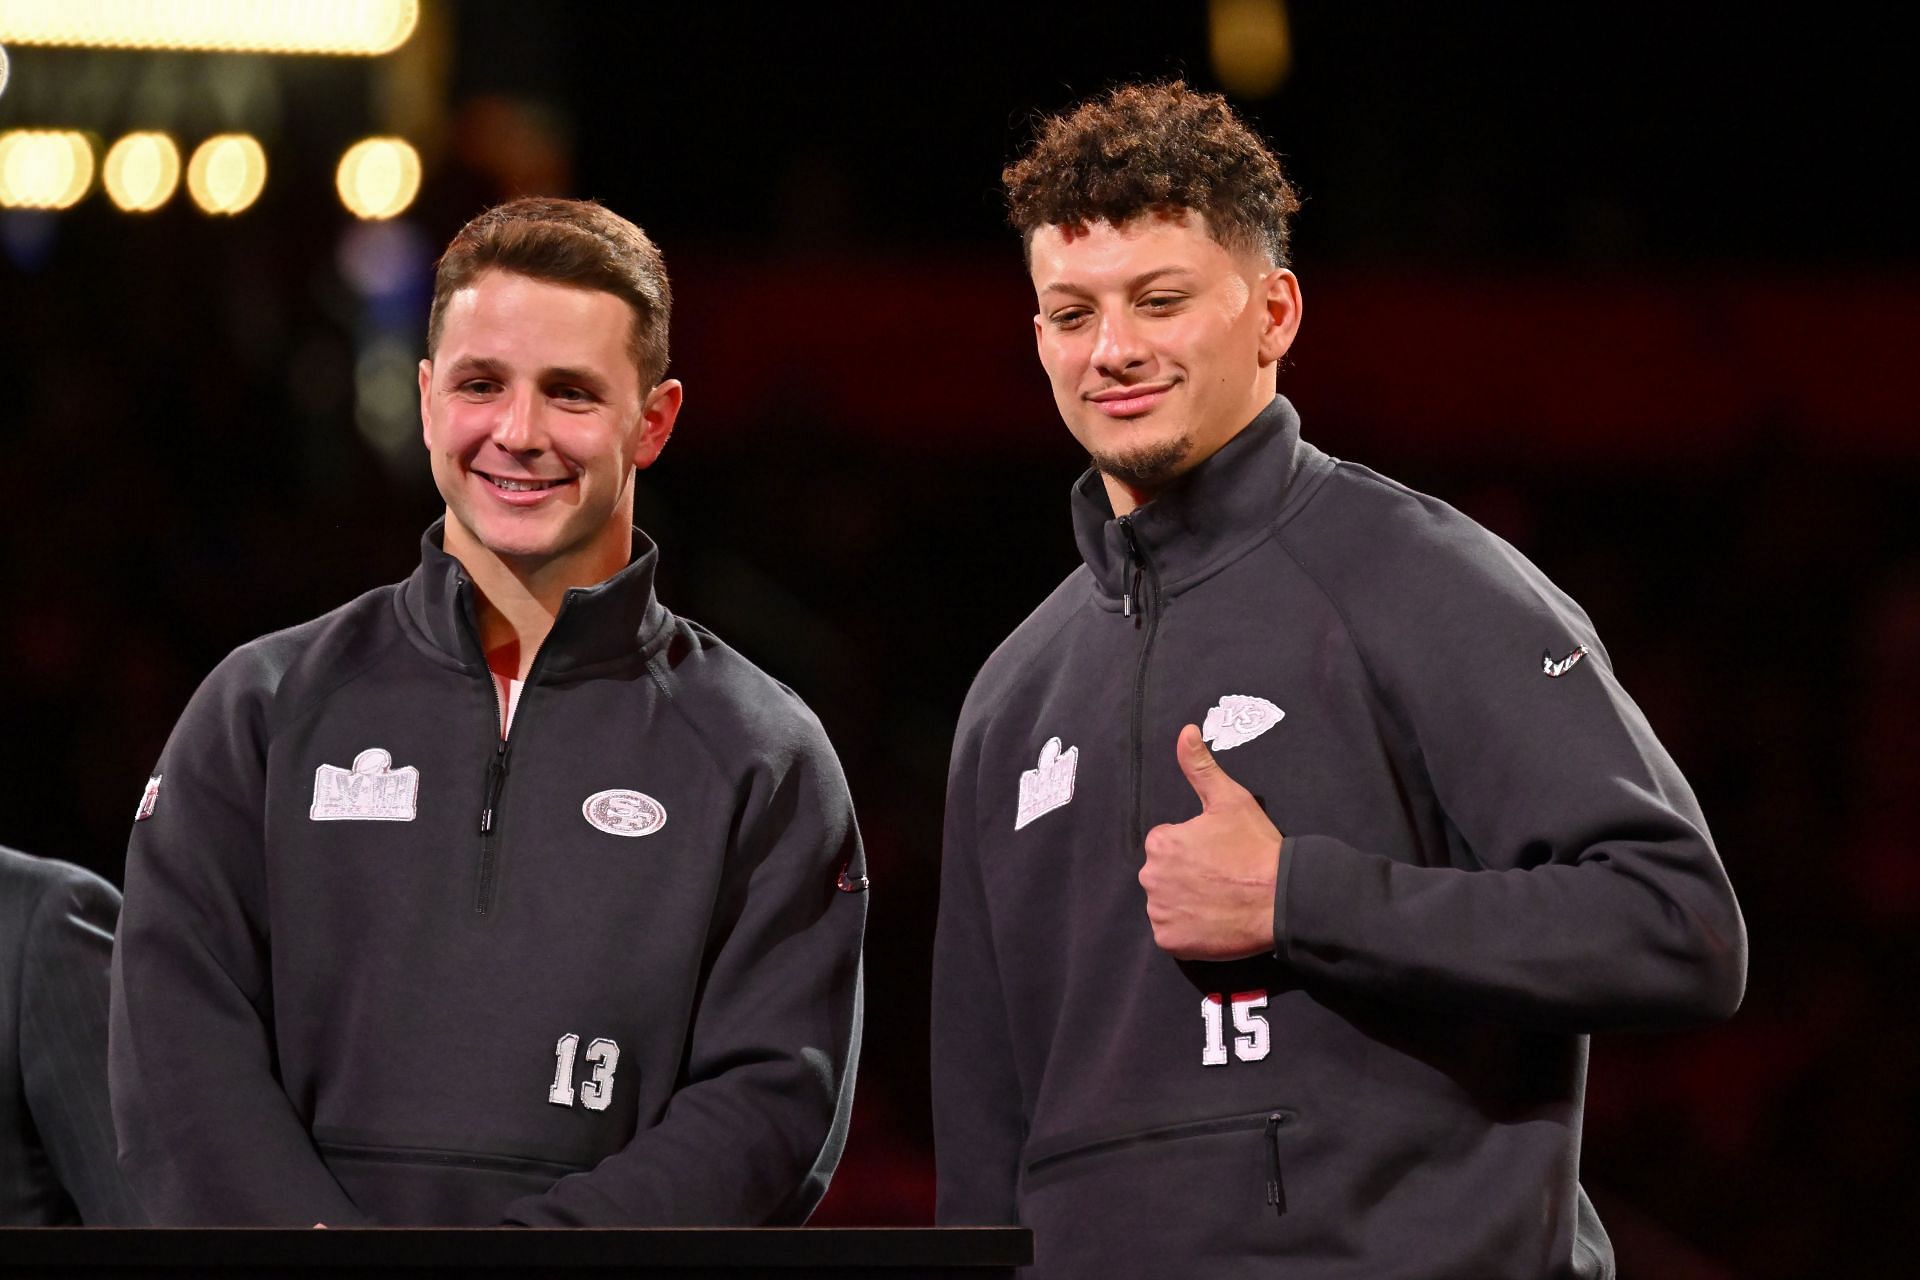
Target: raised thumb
1204, 774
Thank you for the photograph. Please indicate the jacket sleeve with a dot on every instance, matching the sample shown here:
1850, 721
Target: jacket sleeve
63, 1051
979, 1120
756, 1126
207, 1135
1580, 889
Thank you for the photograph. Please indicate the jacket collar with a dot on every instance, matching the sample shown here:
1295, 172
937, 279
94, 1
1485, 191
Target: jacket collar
1204, 519
609, 622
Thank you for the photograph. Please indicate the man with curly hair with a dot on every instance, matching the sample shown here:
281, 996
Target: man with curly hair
1318, 1006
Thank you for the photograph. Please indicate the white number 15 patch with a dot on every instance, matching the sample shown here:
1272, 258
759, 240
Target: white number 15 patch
1252, 1044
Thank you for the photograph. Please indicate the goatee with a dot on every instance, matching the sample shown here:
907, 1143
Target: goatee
1148, 467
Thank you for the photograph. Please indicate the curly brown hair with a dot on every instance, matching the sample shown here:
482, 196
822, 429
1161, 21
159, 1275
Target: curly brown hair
1157, 148
571, 242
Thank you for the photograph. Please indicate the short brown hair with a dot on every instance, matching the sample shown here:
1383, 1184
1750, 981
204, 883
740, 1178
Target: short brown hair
1152, 148
571, 242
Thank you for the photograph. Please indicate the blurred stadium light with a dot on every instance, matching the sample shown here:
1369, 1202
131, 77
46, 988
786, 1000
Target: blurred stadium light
1250, 44
386, 397
227, 173
362, 27
378, 178
44, 168
141, 172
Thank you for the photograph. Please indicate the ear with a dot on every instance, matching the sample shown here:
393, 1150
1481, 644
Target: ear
657, 415
426, 386
1284, 304
1039, 332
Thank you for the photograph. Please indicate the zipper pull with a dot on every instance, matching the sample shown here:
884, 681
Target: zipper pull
1275, 1195
1133, 557
496, 775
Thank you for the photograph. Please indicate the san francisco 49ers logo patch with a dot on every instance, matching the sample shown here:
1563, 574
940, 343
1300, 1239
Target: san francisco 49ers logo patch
620, 812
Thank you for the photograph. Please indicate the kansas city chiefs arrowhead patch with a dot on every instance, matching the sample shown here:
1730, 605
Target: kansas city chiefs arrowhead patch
1237, 719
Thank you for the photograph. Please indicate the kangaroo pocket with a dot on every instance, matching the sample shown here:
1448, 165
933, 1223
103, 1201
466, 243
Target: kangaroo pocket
425, 1187
1202, 1197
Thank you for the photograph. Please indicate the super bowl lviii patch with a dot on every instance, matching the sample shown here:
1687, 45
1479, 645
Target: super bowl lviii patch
371, 791
1047, 785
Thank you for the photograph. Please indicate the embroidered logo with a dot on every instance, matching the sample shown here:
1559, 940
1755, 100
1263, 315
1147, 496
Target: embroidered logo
1049, 784
1239, 718
148, 799
371, 791
620, 812
1564, 665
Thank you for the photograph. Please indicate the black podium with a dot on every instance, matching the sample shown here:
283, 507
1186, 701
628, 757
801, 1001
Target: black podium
779, 1253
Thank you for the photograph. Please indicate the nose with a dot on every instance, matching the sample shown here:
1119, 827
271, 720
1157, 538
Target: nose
517, 428
1119, 346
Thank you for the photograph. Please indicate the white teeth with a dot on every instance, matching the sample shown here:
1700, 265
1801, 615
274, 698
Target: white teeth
522, 486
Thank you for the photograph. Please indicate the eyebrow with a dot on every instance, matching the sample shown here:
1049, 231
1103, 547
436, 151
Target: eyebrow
585, 377
474, 364
1145, 277
466, 366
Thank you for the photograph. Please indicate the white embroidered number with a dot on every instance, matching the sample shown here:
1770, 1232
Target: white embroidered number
561, 1095
1213, 1053
1254, 1041
596, 1093
1253, 1044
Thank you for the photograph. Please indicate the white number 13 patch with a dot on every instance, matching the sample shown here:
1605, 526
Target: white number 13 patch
1253, 1042
596, 1092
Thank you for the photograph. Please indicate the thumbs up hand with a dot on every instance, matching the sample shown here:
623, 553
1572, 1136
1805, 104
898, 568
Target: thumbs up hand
1210, 880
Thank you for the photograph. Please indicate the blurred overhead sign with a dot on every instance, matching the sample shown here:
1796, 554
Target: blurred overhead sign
351, 27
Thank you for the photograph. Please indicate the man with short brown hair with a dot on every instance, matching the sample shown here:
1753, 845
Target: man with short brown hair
1284, 876
500, 895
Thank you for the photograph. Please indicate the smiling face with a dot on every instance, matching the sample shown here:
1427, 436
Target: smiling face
1160, 342
535, 420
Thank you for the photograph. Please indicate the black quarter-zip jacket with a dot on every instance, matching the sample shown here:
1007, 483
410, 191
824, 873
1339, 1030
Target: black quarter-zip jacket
497, 1000
1486, 854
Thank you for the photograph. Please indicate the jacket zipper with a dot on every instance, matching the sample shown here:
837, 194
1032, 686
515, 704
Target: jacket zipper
1138, 561
496, 780
490, 802
1270, 1123
1276, 1194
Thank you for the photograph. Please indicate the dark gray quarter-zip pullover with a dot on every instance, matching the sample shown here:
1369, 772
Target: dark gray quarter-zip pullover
377, 965
1486, 855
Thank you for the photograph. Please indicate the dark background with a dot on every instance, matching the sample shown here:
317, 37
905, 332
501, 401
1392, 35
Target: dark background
1635, 289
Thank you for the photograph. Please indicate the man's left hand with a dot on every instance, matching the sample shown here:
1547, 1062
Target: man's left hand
1210, 880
